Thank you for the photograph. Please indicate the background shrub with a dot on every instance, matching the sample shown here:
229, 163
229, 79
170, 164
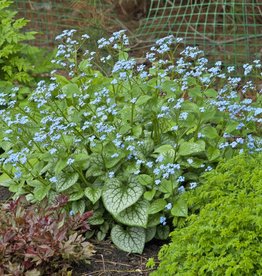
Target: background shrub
19, 62
225, 237
14, 65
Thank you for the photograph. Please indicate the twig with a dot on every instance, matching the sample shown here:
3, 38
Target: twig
103, 261
114, 263
31, 5
99, 272
259, 9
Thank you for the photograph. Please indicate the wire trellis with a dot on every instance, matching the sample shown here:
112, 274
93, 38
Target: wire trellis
230, 30
49, 18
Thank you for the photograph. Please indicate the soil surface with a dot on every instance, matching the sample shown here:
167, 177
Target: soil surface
4, 194
108, 260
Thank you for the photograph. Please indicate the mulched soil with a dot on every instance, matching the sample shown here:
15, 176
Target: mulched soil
108, 260
4, 194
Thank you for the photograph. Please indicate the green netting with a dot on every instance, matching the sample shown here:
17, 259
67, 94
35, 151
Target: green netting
224, 29
50, 18
230, 30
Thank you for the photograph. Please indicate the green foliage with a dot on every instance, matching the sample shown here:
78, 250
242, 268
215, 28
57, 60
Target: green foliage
19, 61
126, 143
14, 65
225, 237
41, 239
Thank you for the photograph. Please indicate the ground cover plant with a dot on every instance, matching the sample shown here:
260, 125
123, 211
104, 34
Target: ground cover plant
222, 236
41, 239
126, 139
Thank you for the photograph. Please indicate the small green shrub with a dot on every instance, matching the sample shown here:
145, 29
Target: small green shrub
14, 57
41, 239
225, 237
125, 142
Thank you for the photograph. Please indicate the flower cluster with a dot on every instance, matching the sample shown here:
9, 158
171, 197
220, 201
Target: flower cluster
150, 130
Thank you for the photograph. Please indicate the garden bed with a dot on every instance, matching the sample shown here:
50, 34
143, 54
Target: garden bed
108, 260
104, 158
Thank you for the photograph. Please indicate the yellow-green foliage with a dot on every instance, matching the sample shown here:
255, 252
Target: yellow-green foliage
225, 237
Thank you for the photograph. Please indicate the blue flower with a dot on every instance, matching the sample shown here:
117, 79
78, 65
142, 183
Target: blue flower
200, 135
160, 158
208, 169
168, 206
114, 81
111, 174
192, 185
181, 179
183, 116
174, 128
190, 161
149, 164
181, 189
70, 161
115, 155
247, 68
17, 175
162, 220
53, 179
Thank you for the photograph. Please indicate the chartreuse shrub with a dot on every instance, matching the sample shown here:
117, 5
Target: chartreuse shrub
125, 142
41, 239
225, 237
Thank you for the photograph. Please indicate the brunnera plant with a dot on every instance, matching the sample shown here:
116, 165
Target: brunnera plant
41, 239
222, 236
126, 142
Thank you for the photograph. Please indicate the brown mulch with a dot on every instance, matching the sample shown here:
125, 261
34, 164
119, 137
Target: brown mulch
110, 261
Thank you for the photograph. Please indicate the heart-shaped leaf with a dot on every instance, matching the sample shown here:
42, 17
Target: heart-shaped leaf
41, 191
142, 100
93, 194
149, 195
79, 206
187, 148
65, 181
70, 89
157, 206
162, 232
213, 153
135, 215
210, 132
153, 220
180, 208
150, 233
164, 149
5, 180
60, 165
118, 196
145, 179
131, 240
76, 195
